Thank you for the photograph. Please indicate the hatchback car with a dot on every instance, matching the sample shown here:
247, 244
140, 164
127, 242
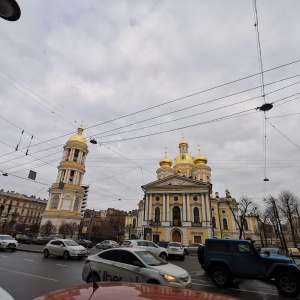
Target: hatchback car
133, 265
7, 242
175, 249
64, 248
107, 244
146, 245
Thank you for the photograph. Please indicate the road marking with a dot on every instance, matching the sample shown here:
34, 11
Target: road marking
41, 277
241, 290
3, 255
61, 265
29, 259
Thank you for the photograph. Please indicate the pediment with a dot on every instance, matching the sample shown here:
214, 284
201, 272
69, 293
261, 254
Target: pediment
176, 181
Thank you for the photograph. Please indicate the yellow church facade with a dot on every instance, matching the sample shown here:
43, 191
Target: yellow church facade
180, 206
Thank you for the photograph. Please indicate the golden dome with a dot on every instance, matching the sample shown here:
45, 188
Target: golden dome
200, 159
78, 137
166, 162
184, 158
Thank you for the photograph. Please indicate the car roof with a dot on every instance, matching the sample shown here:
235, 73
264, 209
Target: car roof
133, 291
133, 249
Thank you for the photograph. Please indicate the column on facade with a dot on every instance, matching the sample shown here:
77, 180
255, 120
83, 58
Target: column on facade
203, 207
188, 207
164, 208
146, 207
80, 157
208, 218
183, 207
168, 207
150, 207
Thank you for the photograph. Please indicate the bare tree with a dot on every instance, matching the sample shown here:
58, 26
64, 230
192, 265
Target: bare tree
288, 207
245, 206
47, 229
68, 229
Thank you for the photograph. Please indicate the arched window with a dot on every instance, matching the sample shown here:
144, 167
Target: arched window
196, 215
67, 201
76, 204
157, 214
176, 216
55, 201
134, 223
71, 176
213, 221
76, 154
246, 225
225, 225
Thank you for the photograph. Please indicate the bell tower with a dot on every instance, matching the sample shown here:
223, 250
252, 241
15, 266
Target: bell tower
66, 194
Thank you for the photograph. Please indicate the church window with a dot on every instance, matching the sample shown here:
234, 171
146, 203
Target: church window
246, 225
67, 203
68, 154
213, 220
157, 214
212, 209
225, 224
55, 201
223, 211
71, 176
183, 157
195, 198
157, 198
176, 198
134, 223
76, 154
196, 215
76, 204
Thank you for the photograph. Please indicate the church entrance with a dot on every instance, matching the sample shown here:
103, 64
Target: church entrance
176, 236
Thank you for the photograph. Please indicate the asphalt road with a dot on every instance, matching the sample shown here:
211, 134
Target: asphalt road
26, 275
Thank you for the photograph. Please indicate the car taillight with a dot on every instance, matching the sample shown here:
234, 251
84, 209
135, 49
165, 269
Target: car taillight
87, 261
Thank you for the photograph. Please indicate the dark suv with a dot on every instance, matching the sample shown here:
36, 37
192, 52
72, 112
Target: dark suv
226, 259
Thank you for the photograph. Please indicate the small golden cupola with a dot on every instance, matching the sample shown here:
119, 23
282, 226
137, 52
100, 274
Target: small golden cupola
200, 159
184, 157
78, 137
166, 162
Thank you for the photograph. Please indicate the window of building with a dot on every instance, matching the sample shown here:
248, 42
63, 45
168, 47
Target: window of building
195, 198
76, 154
246, 225
67, 201
134, 223
213, 220
196, 215
157, 214
157, 198
225, 224
76, 204
176, 198
55, 201
71, 176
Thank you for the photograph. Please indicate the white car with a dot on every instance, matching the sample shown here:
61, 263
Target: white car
148, 246
8, 242
133, 265
107, 244
175, 249
65, 248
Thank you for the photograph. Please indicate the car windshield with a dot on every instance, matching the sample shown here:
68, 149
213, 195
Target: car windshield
71, 243
150, 259
6, 237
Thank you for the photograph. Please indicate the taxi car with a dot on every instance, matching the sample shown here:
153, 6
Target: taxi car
294, 252
175, 249
65, 248
132, 291
133, 265
7, 242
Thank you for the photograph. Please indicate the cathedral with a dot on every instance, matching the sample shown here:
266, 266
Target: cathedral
179, 206
67, 195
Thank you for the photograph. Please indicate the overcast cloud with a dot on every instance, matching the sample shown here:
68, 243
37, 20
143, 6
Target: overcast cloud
66, 63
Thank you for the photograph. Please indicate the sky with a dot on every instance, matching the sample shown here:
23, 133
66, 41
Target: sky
141, 74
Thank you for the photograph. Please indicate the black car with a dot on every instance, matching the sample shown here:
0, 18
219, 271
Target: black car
23, 239
42, 240
85, 243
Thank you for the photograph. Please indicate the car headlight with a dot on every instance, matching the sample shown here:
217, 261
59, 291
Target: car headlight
169, 278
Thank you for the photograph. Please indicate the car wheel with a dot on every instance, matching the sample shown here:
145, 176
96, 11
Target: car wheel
46, 253
66, 255
93, 276
163, 256
201, 254
220, 277
288, 284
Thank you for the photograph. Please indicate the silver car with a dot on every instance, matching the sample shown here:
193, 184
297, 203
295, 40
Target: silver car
8, 242
133, 265
148, 246
107, 244
192, 248
65, 248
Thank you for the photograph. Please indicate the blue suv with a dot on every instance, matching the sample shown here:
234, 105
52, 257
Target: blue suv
226, 259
